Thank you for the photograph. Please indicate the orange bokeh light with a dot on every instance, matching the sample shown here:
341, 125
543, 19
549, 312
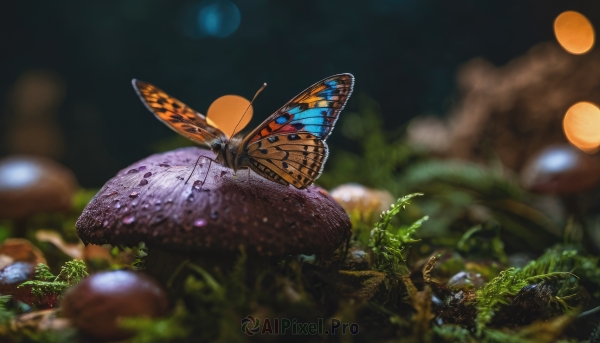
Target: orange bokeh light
582, 126
226, 111
574, 32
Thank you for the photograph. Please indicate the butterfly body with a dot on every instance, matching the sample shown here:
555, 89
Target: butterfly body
288, 147
229, 154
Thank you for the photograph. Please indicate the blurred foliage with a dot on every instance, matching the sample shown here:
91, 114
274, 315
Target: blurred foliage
461, 194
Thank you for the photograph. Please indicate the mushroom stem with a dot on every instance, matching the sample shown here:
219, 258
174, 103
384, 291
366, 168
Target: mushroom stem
171, 268
19, 228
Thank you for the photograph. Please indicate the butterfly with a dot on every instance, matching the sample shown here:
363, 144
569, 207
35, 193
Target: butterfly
287, 148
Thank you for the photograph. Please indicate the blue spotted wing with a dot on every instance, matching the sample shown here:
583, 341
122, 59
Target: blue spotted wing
289, 147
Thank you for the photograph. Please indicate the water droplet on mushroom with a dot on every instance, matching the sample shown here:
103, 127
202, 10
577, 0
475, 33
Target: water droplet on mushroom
200, 222
158, 202
142, 168
197, 185
214, 214
129, 219
169, 200
265, 219
164, 165
105, 223
148, 174
117, 205
134, 194
132, 171
143, 182
134, 204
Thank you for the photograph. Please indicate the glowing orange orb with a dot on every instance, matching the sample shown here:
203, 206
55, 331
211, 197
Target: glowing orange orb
226, 112
574, 32
582, 126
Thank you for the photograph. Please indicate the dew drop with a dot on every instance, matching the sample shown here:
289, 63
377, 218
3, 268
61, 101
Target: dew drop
158, 202
169, 200
129, 219
132, 171
105, 223
142, 168
214, 214
197, 184
134, 195
265, 219
200, 222
134, 204
117, 205
143, 182
148, 174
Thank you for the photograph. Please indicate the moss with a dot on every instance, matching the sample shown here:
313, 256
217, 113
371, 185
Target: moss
388, 242
553, 267
45, 282
497, 292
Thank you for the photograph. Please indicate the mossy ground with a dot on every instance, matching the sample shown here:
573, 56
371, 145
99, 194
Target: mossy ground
527, 278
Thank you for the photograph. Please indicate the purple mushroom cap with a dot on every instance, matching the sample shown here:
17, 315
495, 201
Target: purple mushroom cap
151, 202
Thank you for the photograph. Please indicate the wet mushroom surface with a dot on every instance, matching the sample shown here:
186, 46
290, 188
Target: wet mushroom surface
214, 211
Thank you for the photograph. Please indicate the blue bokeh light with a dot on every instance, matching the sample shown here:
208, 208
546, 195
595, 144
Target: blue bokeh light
218, 18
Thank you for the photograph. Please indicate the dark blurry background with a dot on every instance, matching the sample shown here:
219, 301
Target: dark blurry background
66, 66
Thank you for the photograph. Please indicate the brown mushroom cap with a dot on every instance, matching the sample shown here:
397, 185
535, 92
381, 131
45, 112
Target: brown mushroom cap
560, 169
98, 303
31, 185
150, 202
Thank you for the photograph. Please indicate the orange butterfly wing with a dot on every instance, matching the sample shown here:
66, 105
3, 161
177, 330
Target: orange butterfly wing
177, 115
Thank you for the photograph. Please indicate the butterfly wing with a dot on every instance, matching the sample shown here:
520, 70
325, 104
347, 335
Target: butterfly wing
177, 115
295, 158
315, 110
289, 147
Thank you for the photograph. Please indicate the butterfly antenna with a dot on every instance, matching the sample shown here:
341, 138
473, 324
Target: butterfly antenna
247, 108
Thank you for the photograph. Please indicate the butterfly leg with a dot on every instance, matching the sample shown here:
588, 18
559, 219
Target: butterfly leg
192, 173
208, 171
